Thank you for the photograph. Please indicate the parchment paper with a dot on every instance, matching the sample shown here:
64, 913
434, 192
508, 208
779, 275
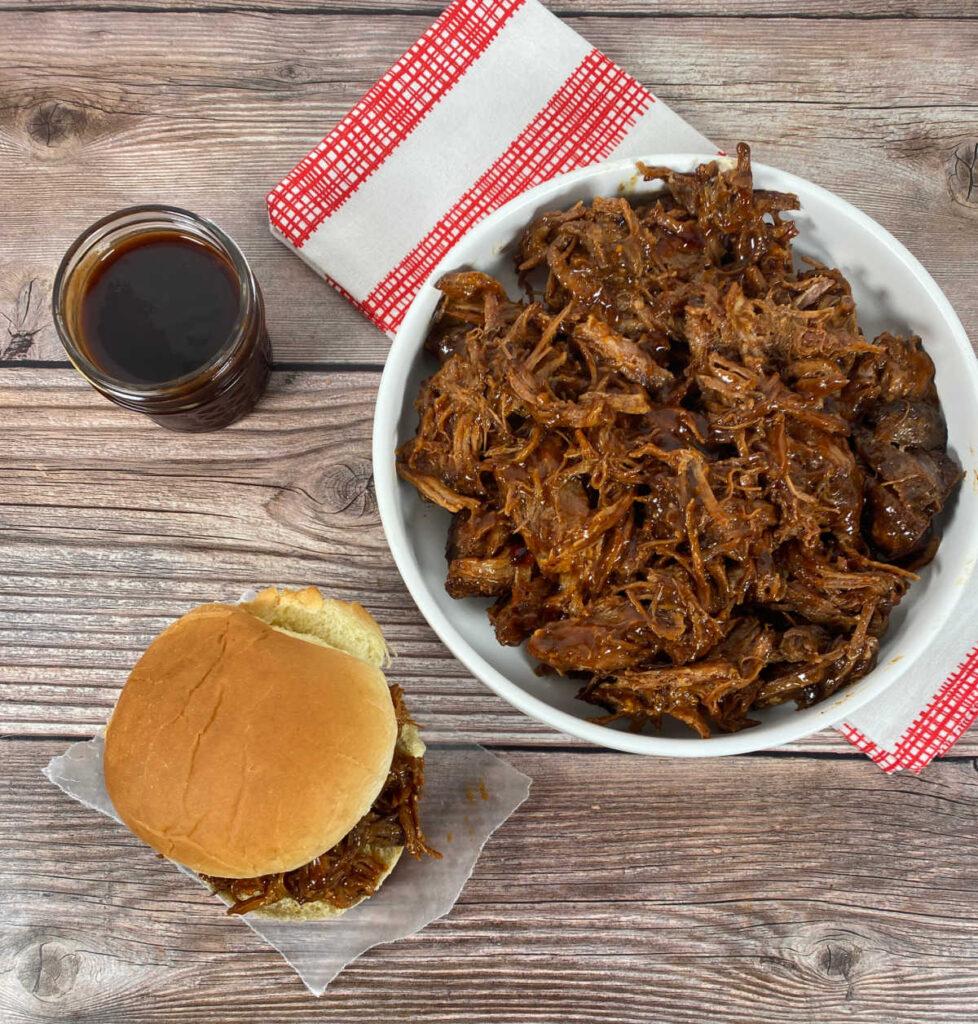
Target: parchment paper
468, 794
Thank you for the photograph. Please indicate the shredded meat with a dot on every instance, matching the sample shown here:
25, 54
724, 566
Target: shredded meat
678, 464
352, 869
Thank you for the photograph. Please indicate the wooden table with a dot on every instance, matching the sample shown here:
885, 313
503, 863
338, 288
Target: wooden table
799, 884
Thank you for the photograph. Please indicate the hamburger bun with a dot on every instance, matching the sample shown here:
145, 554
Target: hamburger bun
246, 742
288, 909
346, 626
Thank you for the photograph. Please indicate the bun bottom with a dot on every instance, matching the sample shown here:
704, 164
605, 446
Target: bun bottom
289, 910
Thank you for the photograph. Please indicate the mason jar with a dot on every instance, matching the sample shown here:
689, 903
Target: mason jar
212, 395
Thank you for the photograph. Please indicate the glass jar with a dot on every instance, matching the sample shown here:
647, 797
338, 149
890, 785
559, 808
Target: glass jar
219, 391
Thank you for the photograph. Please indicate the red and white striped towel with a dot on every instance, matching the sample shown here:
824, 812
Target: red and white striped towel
498, 96
495, 97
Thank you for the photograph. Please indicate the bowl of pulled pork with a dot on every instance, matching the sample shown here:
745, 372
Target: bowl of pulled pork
670, 452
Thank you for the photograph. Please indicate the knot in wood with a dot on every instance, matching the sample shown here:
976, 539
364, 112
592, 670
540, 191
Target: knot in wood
47, 969
828, 958
348, 488
53, 122
962, 174
838, 959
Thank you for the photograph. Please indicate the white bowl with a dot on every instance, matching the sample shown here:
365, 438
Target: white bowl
893, 292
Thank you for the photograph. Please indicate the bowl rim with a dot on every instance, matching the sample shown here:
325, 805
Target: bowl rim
390, 402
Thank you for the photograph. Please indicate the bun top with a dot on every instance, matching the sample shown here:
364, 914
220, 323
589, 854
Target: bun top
240, 750
345, 625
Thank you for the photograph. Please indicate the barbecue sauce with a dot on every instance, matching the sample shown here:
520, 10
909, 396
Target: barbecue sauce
159, 311
159, 306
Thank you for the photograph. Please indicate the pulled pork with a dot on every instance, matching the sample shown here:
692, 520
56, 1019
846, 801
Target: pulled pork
678, 465
352, 869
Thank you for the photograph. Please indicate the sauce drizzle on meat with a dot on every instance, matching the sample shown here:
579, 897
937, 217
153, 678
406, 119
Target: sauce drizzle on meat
679, 466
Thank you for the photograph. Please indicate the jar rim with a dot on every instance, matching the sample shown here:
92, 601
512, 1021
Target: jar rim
136, 391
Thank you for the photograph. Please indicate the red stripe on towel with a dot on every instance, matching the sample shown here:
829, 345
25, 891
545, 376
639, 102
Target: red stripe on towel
935, 730
582, 123
385, 117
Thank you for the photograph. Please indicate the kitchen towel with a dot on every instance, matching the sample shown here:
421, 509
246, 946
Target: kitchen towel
498, 96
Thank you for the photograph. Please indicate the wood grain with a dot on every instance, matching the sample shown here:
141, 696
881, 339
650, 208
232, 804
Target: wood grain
731, 9
626, 890
208, 110
106, 543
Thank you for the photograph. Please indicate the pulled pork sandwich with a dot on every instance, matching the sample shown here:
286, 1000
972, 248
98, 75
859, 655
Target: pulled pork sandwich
681, 469
261, 746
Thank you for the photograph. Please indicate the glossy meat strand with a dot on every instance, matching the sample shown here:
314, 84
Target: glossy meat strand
677, 463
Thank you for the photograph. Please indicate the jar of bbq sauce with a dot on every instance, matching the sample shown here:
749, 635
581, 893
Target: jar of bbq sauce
158, 309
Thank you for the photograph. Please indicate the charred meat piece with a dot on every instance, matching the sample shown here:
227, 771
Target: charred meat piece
908, 424
909, 489
524, 609
903, 444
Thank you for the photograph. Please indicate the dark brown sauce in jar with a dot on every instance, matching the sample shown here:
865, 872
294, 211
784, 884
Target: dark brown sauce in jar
159, 310
159, 306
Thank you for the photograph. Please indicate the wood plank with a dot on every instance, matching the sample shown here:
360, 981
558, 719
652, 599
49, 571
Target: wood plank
208, 110
112, 527
845, 9
624, 890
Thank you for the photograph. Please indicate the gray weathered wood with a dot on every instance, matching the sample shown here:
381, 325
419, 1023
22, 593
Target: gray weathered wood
843, 9
751, 891
209, 110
